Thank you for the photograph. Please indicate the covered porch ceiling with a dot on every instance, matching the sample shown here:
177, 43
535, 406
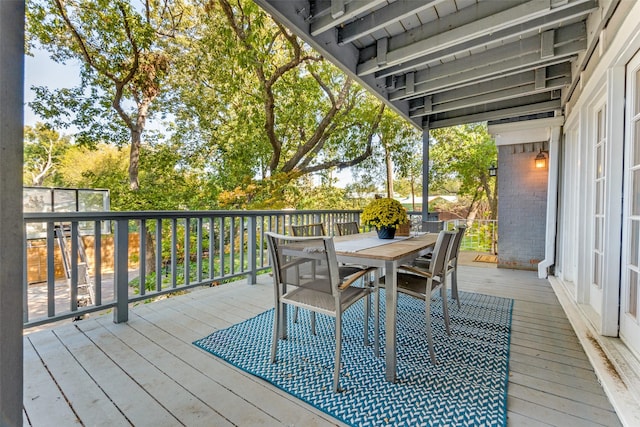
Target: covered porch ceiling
446, 62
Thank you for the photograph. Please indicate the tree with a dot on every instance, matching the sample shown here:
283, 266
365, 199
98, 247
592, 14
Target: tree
260, 105
43, 147
462, 155
165, 186
124, 63
409, 180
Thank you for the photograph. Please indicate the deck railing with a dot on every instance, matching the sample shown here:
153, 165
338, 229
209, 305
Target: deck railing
481, 234
123, 258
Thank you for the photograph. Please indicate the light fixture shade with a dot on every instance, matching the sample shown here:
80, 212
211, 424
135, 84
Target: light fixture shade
541, 160
493, 170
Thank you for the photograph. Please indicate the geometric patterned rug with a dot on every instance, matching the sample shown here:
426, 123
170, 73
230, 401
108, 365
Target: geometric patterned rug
467, 387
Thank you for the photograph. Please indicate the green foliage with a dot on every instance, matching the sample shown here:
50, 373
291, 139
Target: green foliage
124, 65
164, 185
260, 105
251, 111
43, 148
460, 158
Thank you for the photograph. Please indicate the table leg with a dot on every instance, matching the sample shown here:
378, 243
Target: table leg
376, 312
391, 300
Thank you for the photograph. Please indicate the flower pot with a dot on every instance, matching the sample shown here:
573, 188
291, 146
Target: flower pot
386, 232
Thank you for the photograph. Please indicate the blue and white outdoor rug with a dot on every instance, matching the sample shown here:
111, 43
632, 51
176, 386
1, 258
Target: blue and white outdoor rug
467, 387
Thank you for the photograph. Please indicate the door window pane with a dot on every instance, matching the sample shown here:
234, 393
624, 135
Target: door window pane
632, 308
635, 203
636, 146
634, 243
637, 94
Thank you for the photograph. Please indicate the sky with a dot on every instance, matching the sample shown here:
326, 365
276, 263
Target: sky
39, 70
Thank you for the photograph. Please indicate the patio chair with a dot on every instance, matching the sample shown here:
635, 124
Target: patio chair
422, 283
325, 293
432, 226
452, 266
308, 230
317, 230
346, 228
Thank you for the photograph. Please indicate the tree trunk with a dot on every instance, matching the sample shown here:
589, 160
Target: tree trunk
150, 253
389, 165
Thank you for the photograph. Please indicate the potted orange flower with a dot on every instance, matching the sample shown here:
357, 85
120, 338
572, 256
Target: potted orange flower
385, 215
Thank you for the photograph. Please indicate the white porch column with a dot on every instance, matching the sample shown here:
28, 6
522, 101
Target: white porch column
552, 204
11, 248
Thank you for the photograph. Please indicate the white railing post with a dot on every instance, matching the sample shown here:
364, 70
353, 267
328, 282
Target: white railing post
121, 273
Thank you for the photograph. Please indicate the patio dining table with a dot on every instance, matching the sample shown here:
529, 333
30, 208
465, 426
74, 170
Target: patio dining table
367, 249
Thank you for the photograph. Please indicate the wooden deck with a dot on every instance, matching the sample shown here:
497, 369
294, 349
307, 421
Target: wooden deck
147, 373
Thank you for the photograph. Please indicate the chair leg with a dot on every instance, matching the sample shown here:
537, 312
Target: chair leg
454, 285
336, 368
445, 307
371, 283
276, 332
295, 315
427, 314
367, 310
376, 319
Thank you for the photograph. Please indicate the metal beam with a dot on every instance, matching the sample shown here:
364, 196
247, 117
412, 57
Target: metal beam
554, 18
337, 8
562, 70
515, 57
445, 39
541, 78
484, 99
382, 47
505, 113
325, 22
381, 18
294, 14
491, 72
547, 44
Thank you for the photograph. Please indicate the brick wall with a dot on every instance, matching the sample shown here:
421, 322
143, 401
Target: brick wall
522, 204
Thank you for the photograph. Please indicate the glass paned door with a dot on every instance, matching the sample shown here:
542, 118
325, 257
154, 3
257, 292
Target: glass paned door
629, 315
600, 186
598, 136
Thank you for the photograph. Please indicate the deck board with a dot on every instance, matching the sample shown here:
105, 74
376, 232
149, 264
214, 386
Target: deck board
147, 372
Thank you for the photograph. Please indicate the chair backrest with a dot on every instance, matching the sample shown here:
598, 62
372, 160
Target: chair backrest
308, 230
432, 226
441, 253
457, 242
304, 261
346, 228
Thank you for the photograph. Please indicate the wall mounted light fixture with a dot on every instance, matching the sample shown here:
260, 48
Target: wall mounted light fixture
541, 160
493, 170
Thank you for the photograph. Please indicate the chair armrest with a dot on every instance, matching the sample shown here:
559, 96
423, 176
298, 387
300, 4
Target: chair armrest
296, 262
355, 276
414, 270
